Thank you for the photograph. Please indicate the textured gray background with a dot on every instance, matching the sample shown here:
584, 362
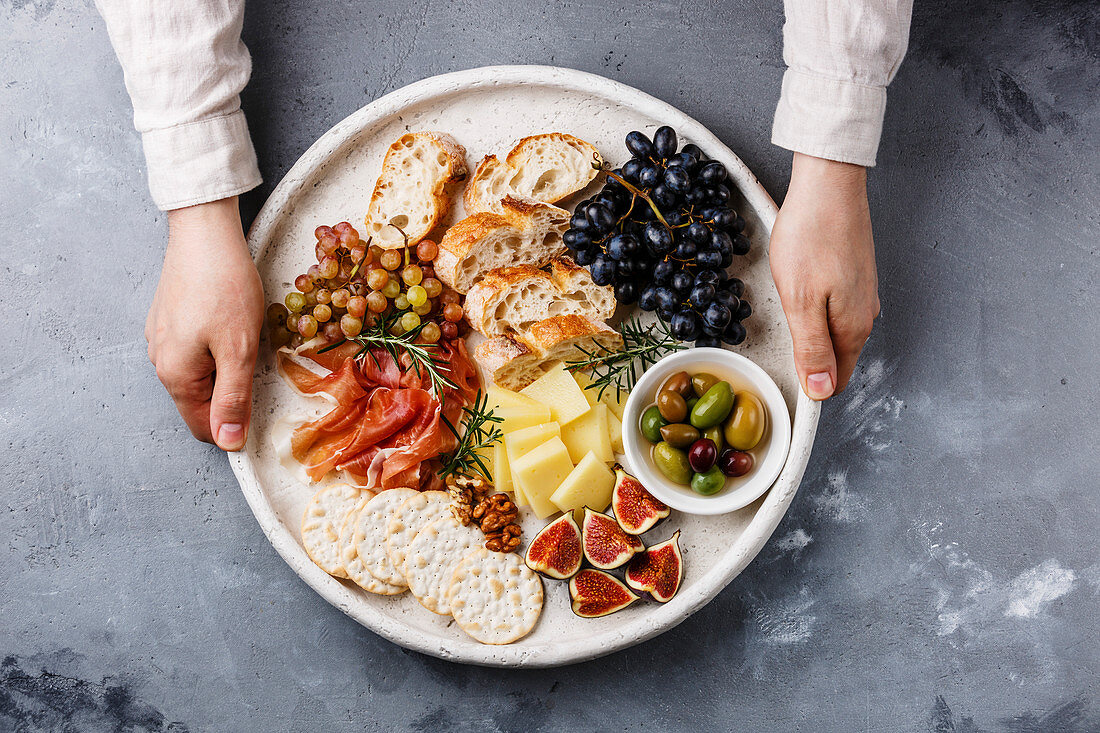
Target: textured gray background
938, 570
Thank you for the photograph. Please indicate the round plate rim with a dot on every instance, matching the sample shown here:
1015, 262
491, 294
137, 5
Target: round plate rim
659, 618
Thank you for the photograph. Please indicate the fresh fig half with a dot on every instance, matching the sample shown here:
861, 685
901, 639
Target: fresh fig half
606, 545
635, 508
659, 570
556, 551
595, 593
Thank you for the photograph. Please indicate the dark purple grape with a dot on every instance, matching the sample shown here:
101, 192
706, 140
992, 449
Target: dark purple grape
685, 161
678, 180
734, 333
579, 221
739, 244
709, 258
662, 273
649, 177
667, 299
586, 257
664, 141
744, 310
647, 299
675, 218
694, 151
685, 325
709, 330
603, 270
702, 293
639, 145
600, 217
727, 299
735, 286
622, 246
632, 168
723, 218
665, 198
718, 194
717, 316
696, 196
682, 282
626, 292
707, 276
657, 238
712, 342
698, 233
576, 239
713, 173
727, 259
685, 250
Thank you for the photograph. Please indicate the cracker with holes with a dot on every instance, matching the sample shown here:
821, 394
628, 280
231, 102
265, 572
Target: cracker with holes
432, 557
412, 516
353, 566
321, 525
369, 539
495, 597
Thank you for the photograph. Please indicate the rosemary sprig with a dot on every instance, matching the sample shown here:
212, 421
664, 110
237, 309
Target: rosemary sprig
481, 432
643, 346
425, 360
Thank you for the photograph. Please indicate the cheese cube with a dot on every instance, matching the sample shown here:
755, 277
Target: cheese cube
615, 432
560, 392
615, 401
583, 380
520, 442
540, 472
502, 471
589, 433
589, 484
515, 410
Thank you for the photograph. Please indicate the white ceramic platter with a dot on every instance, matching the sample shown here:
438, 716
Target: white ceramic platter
487, 110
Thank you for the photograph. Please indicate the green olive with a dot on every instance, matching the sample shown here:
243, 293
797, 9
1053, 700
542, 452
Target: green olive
714, 433
672, 405
651, 424
679, 435
691, 402
679, 382
746, 423
708, 482
714, 406
701, 382
673, 463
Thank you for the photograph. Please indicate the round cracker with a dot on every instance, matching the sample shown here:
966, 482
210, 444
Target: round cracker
321, 523
353, 566
370, 534
495, 597
412, 516
432, 557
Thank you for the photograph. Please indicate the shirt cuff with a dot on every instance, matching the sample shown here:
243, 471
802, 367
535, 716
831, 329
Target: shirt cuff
200, 161
829, 118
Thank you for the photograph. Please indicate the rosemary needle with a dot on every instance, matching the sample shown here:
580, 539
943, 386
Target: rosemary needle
643, 346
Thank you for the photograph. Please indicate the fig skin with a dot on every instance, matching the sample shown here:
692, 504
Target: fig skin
556, 551
594, 593
659, 570
636, 510
606, 545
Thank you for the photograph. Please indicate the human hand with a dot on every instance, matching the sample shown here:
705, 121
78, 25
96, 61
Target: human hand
204, 323
823, 260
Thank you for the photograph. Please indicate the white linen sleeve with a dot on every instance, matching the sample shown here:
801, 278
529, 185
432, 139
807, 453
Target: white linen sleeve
185, 65
840, 56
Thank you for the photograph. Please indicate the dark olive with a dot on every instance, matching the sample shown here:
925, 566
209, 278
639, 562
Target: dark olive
672, 406
735, 462
701, 382
679, 382
651, 423
701, 455
679, 435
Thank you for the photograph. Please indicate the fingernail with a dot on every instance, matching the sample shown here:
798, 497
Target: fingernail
819, 386
231, 436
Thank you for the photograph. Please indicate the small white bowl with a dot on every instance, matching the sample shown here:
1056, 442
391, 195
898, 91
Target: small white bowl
743, 374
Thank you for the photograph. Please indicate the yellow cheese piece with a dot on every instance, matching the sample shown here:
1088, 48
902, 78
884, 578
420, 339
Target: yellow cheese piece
589, 433
515, 410
589, 484
615, 432
540, 472
502, 471
611, 397
520, 443
583, 380
560, 392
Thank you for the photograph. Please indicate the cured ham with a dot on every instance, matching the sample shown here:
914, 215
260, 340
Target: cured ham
386, 429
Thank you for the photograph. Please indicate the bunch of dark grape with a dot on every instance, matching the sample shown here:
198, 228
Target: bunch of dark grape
663, 233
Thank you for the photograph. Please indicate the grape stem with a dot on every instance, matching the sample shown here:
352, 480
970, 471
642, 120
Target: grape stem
634, 190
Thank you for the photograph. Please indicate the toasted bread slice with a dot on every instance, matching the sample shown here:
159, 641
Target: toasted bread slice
515, 362
414, 190
512, 299
527, 233
545, 168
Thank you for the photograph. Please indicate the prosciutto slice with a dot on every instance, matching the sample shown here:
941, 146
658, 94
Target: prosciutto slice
387, 428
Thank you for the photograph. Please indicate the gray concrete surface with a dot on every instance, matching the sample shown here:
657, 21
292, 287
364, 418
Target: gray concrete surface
938, 571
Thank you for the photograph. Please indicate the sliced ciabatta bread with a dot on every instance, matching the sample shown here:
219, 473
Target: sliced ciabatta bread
414, 190
545, 168
527, 233
511, 299
513, 362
